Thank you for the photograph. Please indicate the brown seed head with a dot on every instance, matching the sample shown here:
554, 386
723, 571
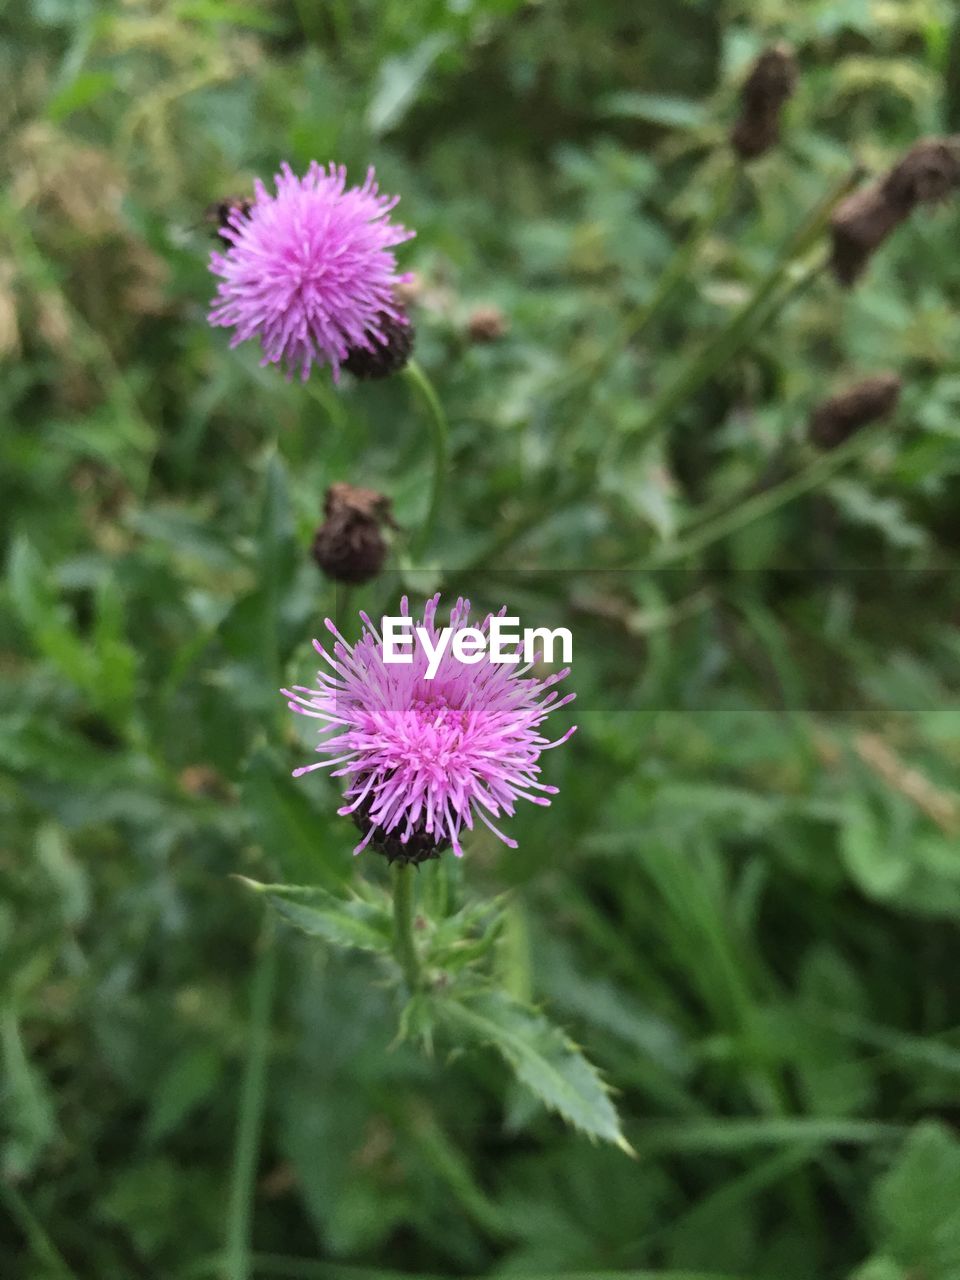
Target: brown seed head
843, 415
486, 324
772, 80
349, 546
927, 173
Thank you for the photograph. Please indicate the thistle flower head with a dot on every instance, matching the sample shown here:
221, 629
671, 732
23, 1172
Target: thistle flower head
309, 271
423, 759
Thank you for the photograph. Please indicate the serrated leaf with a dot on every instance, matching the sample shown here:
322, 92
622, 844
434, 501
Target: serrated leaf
465, 936
343, 922
542, 1057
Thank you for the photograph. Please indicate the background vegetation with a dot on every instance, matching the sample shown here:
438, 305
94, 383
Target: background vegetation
745, 900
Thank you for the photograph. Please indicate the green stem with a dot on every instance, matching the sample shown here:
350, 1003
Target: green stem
238, 1264
44, 1250
732, 336
575, 388
404, 947
678, 267
765, 503
438, 426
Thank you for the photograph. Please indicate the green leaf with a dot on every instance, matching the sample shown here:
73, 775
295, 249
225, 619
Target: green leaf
871, 858
86, 89
466, 936
190, 1079
43, 616
399, 83
542, 1057
655, 108
353, 923
27, 1110
918, 1204
230, 13
738, 1135
289, 827
880, 1269
104, 671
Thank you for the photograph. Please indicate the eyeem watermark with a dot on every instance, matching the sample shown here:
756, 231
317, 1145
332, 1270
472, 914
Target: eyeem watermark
502, 641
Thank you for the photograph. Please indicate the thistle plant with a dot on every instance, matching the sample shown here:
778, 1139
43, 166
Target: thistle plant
424, 758
428, 762
472, 958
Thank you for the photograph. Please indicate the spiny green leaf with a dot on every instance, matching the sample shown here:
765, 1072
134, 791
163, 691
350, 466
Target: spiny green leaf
542, 1057
364, 926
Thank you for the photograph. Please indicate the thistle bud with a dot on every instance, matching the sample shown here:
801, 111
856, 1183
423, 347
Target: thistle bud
349, 546
843, 415
384, 355
223, 214
772, 80
928, 173
486, 324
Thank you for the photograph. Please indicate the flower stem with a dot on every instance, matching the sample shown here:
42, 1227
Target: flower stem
763, 503
403, 945
438, 426
43, 1248
237, 1259
679, 265
725, 344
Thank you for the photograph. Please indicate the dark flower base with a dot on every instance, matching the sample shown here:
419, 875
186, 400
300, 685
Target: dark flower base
383, 358
421, 846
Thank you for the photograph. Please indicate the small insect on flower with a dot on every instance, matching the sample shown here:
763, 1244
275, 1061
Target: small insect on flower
224, 214
424, 758
310, 271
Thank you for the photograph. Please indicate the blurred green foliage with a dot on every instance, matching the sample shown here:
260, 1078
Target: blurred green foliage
745, 900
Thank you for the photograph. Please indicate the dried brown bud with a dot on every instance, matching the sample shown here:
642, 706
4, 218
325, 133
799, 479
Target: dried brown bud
843, 415
928, 172
486, 324
349, 546
381, 359
772, 80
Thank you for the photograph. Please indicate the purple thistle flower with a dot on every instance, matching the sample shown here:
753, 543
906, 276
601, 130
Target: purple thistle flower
310, 271
424, 758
